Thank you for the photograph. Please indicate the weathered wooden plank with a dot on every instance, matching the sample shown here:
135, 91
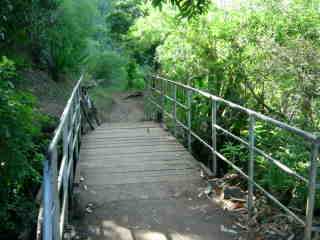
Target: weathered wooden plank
142, 180
133, 169
138, 129
106, 138
124, 136
114, 125
111, 128
127, 130
169, 146
135, 149
107, 145
135, 128
131, 143
131, 155
121, 178
122, 168
137, 174
144, 158
123, 154
141, 156
128, 159
128, 140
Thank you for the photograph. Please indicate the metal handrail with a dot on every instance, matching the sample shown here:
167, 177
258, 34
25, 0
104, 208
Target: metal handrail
58, 172
252, 116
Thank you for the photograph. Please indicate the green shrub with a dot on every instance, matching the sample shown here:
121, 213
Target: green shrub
109, 68
21, 147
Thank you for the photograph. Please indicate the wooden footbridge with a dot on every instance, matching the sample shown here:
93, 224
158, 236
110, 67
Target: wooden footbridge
139, 182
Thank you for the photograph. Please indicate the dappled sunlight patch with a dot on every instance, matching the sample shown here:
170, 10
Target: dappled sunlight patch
115, 231
184, 236
150, 235
112, 230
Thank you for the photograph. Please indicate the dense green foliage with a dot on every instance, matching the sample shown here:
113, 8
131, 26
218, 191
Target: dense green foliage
250, 57
119, 19
21, 145
263, 55
66, 45
49, 35
34, 34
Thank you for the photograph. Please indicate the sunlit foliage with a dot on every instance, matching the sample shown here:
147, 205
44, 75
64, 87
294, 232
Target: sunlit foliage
263, 55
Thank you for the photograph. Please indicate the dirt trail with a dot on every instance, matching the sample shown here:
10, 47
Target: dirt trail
126, 108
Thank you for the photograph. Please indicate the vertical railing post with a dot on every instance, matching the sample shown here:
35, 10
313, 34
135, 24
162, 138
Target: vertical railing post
175, 109
65, 137
311, 190
189, 96
71, 128
66, 143
214, 135
153, 85
77, 108
55, 194
79, 118
47, 200
162, 101
150, 96
251, 173
146, 98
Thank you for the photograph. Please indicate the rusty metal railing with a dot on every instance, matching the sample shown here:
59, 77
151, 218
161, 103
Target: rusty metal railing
158, 86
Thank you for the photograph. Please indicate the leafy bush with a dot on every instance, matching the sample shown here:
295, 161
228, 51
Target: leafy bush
65, 46
21, 147
108, 68
112, 60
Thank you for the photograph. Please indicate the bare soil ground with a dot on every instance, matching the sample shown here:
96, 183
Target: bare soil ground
51, 96
126, 107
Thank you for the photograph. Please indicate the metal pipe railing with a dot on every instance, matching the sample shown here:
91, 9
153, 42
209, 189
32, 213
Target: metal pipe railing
253, 116
58, 175
308, 136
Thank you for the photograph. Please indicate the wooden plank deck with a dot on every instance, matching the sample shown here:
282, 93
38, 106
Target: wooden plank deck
118, 153
141, 184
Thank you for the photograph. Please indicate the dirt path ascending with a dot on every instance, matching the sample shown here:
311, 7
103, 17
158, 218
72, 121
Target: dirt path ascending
126, 108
